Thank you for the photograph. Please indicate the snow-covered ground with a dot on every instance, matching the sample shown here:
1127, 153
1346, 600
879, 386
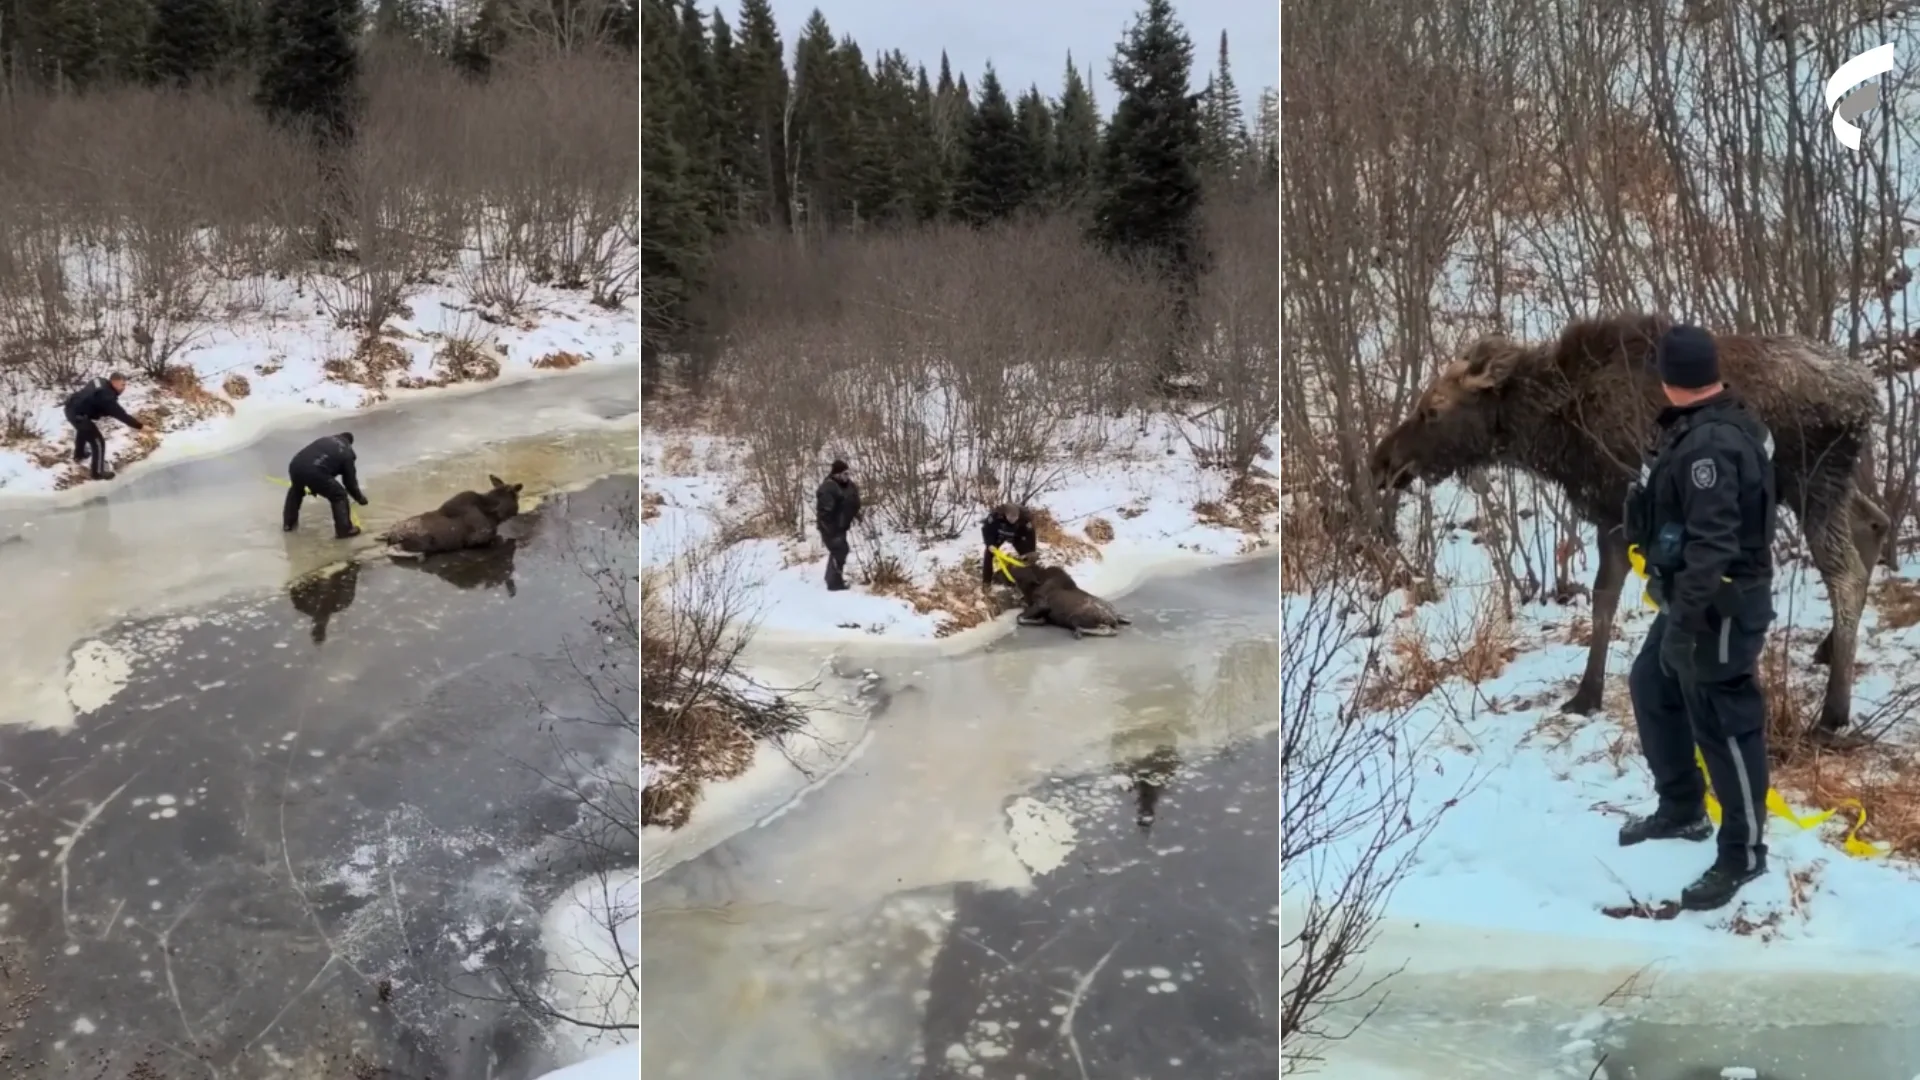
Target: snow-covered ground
622, 1063
1147, 506
271, 350
1530, 845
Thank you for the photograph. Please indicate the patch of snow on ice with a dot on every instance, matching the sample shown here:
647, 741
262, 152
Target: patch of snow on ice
592, 939
1043, 835
98, 674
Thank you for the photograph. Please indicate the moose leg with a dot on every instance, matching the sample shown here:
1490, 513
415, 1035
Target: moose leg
1830, 539
1871, 529
1034, 615
1607, 583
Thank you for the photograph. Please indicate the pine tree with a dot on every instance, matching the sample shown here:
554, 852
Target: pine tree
1149, 199
729, 141
1034, 118
480, 39
673, 234
1225, 122
1149, 202
927, 171
310, 78
1076, 139
698, 119
760, 80
993, 185
189, 41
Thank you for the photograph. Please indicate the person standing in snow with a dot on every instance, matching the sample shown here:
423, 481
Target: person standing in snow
326, 468
96, 400
1703, 516
836, 506
1009, 524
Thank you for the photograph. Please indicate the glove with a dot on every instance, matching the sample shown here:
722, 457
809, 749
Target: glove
362, 500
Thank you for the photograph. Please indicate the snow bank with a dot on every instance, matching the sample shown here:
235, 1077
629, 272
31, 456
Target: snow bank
1151, 496
591, 935
776, 781
1532, 848
620, 1064
270, 363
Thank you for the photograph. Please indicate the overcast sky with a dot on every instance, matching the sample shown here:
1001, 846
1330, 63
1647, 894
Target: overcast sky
1028, 40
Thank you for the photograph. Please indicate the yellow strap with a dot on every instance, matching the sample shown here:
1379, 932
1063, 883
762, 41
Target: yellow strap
353, 514
1777, 807
1639, 563
1002, 560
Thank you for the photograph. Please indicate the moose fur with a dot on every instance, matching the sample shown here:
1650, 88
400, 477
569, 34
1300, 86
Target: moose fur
468, 520
1052, 597
1579, 413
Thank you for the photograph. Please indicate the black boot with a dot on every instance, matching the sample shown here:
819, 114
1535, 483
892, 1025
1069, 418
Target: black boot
1666, 824
1718, 885
352, 531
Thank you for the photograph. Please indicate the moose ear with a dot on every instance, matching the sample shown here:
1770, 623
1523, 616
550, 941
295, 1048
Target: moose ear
1490, 362
496, 481
517, 487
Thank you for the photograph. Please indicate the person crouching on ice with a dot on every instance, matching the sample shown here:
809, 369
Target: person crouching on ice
325, 468
96, 400
1009, 524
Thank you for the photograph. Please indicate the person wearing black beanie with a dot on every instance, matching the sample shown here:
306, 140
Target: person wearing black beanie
836, 506
1702, 516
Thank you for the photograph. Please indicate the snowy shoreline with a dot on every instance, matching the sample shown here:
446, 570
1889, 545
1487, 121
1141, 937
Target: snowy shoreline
286, 364
1148, 504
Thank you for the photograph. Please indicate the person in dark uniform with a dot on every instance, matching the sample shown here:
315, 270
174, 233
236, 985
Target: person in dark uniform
1702, 515
326, 469
836, 506
1008, 524
96, 400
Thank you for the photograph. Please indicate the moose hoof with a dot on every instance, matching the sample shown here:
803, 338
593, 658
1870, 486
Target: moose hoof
1582, 703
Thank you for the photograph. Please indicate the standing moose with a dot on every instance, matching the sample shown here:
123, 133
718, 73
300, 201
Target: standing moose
1578, 412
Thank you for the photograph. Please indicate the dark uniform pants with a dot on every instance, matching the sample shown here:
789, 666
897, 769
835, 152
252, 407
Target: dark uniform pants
302, 481
1702, 690
89, 445
837, 551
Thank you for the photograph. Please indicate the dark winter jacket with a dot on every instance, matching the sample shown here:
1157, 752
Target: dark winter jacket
997, 530
330, 456
97, 400
836, 506
1704, 514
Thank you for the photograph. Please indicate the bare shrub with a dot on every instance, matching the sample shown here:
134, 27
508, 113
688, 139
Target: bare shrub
1237, 359
699, 713
1351, 821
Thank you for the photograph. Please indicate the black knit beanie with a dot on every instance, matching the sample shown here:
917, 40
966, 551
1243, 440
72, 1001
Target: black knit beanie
837, 467
1688, 358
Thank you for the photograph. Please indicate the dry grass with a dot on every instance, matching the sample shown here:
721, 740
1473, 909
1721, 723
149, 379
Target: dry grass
1099, 530
1884, 780
650, 504
236, 386
704, 745
1246, 504
185, 398
1063, 547
1414, 668
956, 593
370, 365
1897, 602
559, 361
677, 459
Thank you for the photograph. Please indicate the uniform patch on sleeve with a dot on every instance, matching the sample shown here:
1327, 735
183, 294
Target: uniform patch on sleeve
1705, 473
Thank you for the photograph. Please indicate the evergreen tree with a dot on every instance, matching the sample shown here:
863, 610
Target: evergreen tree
1225, 123
1076, 139
994, 183
673, 234
1034, 119
189, 41
1149, 200
927, 171
310, 78
698, 119
729, 139
760, 80
1148, 204
480, 39
819, 131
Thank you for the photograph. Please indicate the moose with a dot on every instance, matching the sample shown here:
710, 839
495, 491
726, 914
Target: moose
1578, 412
